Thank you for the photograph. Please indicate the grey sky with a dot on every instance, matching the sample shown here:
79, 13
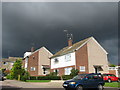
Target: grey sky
43, 25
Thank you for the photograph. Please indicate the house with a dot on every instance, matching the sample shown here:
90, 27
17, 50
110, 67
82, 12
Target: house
37, 63
7, 63
87, 55
115, 70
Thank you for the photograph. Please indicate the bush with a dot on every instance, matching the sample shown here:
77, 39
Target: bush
9, 77
66, 77
23, 78
74, 72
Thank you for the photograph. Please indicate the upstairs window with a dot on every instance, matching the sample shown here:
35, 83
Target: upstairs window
68, 57
56, 60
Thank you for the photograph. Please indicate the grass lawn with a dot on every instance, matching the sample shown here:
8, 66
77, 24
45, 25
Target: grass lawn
113, 84
38, 80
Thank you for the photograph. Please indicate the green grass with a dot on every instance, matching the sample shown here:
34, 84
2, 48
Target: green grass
113, 84
38, 80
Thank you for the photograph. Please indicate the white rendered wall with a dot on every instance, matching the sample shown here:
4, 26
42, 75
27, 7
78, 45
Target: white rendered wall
62, 62
27, 54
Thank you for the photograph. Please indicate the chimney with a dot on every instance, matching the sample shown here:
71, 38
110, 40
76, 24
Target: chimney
70, 42
32, 49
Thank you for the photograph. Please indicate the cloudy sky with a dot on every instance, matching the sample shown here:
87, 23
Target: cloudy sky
43, 23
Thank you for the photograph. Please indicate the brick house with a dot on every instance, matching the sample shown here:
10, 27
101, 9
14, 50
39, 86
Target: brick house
37, 63
7, 63
87, 55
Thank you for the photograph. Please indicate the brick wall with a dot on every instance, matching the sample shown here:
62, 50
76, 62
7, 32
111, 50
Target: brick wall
33, 62
82, 58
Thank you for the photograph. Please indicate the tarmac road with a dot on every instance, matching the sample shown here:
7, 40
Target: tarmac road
18, 85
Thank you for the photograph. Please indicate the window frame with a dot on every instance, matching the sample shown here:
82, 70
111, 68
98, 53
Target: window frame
67, 57
82, 68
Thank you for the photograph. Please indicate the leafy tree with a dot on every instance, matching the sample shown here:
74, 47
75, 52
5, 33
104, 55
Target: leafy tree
112, 65
17, 72
74, 72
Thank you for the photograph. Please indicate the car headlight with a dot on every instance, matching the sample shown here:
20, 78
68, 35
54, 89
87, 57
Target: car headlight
72, 83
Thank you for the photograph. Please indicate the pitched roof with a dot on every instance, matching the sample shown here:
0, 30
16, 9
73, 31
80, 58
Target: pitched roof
10, 59
69, 49
37, 51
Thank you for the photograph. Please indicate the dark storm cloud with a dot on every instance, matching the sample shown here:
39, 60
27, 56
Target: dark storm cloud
43, 25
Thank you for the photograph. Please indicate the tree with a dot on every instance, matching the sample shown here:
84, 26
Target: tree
74, 72
112, 65
18, 72
17, 69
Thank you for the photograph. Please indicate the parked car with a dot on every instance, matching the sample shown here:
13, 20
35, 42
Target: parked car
110, 77
83, 81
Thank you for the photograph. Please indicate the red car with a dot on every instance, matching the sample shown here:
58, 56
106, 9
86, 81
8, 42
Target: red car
110, 77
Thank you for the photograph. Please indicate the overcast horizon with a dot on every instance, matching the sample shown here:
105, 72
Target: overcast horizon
43, 23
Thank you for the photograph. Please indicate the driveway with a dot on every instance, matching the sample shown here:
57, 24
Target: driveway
54, 85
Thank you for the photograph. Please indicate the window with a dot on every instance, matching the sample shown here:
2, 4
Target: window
67, 57
68, 71
32, 68
56, 60
90, 77
82, 68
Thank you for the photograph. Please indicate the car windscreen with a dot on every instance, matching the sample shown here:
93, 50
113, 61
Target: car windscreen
79, 77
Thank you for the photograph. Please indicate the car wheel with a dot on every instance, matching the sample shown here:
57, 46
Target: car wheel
109, 80
79, 88
100, 87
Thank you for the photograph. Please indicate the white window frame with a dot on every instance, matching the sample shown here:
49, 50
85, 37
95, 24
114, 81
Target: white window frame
82, 68
68, 57
32, 68
68, 70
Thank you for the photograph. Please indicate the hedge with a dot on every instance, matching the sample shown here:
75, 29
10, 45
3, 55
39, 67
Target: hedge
45, 78
33, 78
